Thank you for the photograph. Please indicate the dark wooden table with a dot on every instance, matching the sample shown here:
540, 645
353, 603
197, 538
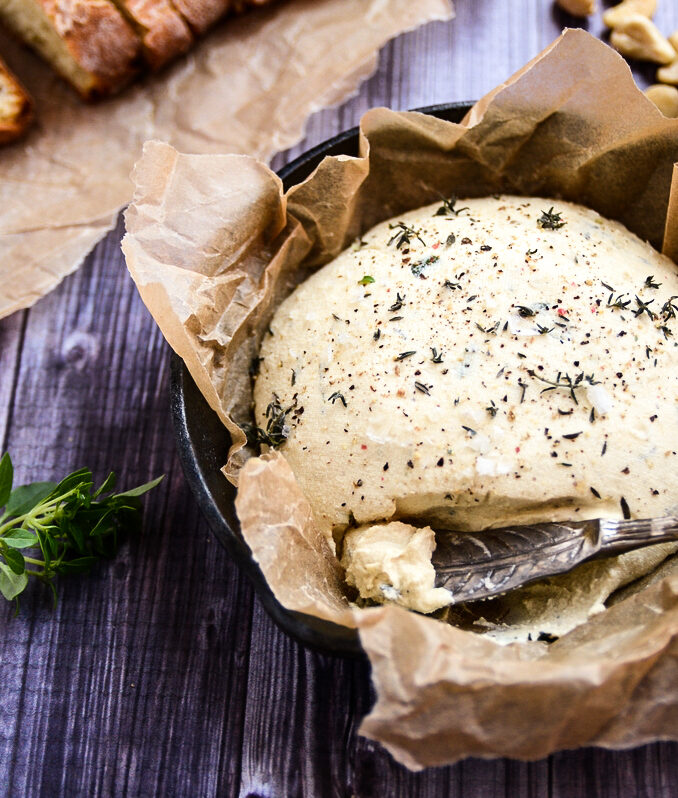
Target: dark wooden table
160, 674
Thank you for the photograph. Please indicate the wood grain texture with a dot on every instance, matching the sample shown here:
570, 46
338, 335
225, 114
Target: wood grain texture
160, 674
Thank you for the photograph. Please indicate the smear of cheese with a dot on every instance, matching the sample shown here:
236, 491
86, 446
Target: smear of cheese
552, 607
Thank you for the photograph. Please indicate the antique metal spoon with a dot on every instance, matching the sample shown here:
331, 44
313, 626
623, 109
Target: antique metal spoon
476, 565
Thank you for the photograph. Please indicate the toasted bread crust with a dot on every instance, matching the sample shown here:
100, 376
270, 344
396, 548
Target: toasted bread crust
239, 6
99, 45
99, 39
91, 44
202, 14
164, 33
16, 107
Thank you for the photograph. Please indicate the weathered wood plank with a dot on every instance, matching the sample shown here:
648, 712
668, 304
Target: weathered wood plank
128, 682
12, 331
647, 772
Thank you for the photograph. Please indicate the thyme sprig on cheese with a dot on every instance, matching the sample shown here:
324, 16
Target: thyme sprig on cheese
448, 207
397, 304
550, 220
403, 235
644, 307
277, 430
619, 302
668, 310
564, 381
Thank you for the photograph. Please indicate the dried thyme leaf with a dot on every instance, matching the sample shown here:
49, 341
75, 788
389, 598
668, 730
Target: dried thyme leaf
550, 220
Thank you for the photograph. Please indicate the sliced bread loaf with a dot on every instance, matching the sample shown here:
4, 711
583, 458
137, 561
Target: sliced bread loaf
163, 32
87, 41
202, 14
16, 108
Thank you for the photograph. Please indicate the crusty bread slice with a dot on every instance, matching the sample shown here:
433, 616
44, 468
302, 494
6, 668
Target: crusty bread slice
163, 32
16, 107
238, 6
202, 14
87, 41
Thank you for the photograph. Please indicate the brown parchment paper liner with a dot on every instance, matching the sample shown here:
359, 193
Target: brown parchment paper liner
248, 87
214, 246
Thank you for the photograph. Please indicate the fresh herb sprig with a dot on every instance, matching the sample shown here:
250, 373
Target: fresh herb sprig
619, 302
403, 235
525, 312
669, 309
491, 330
564, 381
418, 268
51, 529
448, 207
644, 307
277, 429
550, 220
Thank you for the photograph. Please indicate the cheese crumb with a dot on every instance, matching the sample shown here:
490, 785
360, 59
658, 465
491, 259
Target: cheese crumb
391, 563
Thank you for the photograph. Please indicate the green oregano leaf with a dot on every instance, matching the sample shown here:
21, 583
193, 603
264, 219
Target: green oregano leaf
107, 485
141, 489
11, 584
15, 560
20, 538
64, 528
6, 478
25, 497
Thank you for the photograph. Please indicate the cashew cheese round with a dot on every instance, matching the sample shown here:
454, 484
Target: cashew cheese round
477, 363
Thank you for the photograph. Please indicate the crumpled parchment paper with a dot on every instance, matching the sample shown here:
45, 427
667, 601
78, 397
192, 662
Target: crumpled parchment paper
213, 246
247, 87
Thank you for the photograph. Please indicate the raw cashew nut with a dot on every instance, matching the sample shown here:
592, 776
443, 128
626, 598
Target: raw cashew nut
637, 37
578, 8
668, 74
665, 98
616, 15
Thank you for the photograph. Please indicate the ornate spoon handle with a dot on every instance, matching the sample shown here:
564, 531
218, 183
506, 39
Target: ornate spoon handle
479, 565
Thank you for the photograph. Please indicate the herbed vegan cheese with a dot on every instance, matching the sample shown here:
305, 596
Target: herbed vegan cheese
477, 363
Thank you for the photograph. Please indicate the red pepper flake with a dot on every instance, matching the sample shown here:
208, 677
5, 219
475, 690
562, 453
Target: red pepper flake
362, 446
562, 312
436, 245
517, 448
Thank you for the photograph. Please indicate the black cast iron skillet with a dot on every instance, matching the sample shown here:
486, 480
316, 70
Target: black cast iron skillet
203, 441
